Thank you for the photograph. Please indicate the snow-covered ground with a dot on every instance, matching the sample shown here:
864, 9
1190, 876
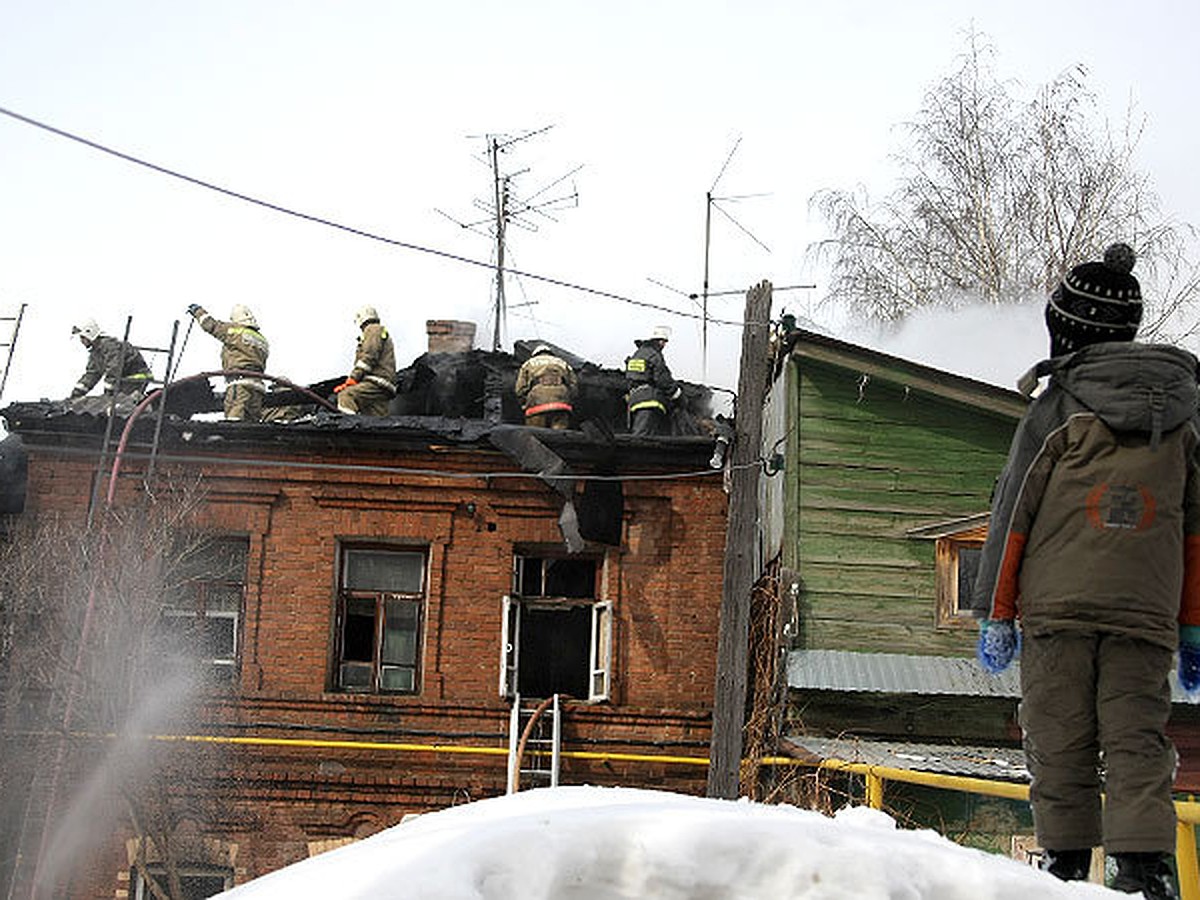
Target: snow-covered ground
591, 843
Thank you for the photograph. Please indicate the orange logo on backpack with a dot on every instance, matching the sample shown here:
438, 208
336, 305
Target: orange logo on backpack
1120, 506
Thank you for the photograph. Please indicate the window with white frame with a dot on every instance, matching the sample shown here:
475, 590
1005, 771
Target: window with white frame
556, 635
381, 603
203, 612
197, 882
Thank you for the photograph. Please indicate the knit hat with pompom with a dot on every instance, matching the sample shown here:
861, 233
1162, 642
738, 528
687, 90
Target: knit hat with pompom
1096, 302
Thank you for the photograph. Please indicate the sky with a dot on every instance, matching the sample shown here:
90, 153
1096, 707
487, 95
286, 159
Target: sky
373, 114
593, 843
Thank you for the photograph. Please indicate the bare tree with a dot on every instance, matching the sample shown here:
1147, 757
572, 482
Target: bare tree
91, 668
997, 198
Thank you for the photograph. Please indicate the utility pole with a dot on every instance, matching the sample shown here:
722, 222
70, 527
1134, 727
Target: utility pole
741, 536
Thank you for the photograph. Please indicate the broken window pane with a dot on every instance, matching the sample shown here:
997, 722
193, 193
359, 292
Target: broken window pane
381, 597
558, 648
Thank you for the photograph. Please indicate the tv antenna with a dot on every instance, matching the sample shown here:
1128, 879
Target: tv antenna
505, 207
711, 202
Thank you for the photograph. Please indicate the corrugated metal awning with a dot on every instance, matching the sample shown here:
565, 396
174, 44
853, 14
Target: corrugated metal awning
997, 763
897, 673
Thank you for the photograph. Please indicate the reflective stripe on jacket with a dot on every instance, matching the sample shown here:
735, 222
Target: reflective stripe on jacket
375, 359
545, 379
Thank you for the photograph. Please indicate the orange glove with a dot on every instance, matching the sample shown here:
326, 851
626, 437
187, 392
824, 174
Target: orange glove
349, 382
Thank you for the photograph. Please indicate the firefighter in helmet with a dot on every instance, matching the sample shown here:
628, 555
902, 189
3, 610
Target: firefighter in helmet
243, 349
651, 386
371, 385
118, 362
546, 385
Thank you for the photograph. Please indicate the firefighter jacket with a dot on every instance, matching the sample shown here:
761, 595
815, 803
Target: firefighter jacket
375, 360
545, 384
242, 347
649, 379
1095, 522
118, 362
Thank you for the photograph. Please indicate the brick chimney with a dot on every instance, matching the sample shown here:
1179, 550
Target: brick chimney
449, 336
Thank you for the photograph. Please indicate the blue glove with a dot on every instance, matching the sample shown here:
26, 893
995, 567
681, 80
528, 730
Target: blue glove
193, 308
999, 642
1189, 659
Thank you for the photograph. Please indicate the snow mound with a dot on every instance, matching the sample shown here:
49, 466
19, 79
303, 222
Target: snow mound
590, 843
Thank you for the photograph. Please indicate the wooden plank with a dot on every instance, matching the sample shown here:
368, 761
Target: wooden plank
883, 637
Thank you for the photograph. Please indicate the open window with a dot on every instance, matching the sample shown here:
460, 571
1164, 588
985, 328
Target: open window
381, 605
556, 636
957, 548
203, 612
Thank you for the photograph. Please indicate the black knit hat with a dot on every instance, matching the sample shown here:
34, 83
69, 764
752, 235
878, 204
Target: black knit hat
1097, 301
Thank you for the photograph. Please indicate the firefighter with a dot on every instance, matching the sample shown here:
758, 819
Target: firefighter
371, 385
651, 387
118, 362
243, 348
546, 385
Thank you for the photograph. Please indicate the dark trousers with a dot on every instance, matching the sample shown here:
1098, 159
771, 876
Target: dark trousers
1094, 707
646, 422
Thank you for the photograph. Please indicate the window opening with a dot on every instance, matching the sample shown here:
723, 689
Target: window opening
202, 615
556, 635
381, 600
196, 882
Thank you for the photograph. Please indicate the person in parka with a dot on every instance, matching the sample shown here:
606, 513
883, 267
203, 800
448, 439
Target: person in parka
243, 348
371, 385
118, 362
651, 386
1094, 543
545, 386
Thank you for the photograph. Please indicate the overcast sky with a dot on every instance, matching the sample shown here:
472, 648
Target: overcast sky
372, 114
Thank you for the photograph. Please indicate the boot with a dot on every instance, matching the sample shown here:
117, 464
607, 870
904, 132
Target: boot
1067, 865
1149, 873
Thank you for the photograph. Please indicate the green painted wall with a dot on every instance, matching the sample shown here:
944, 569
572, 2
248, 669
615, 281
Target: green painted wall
867, 462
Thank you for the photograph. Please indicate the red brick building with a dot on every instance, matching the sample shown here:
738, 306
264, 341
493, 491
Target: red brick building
381, 590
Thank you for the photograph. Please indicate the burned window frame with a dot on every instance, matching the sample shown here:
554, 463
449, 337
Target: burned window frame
140, 890
415, 601
600, 642
207, 567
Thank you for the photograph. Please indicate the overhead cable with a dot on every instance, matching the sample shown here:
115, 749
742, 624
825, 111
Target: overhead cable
360, 232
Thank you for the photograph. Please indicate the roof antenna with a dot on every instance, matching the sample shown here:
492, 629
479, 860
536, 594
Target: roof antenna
506, 208
712, 202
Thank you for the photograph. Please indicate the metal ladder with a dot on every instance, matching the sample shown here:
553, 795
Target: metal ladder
105, 458
534, 743
10, 346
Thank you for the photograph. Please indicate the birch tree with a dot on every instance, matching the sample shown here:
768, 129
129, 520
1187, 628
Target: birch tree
997, 196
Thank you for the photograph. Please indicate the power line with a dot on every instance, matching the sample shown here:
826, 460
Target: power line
349, 229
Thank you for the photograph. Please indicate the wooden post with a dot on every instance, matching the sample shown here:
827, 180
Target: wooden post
729, 696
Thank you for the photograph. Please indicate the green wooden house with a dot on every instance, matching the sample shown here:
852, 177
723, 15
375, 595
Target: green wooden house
876, 519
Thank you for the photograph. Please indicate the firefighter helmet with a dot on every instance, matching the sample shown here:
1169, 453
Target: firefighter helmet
87, 329
241, 315
364, 315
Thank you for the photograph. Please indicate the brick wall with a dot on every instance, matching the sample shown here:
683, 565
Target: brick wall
664, 584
